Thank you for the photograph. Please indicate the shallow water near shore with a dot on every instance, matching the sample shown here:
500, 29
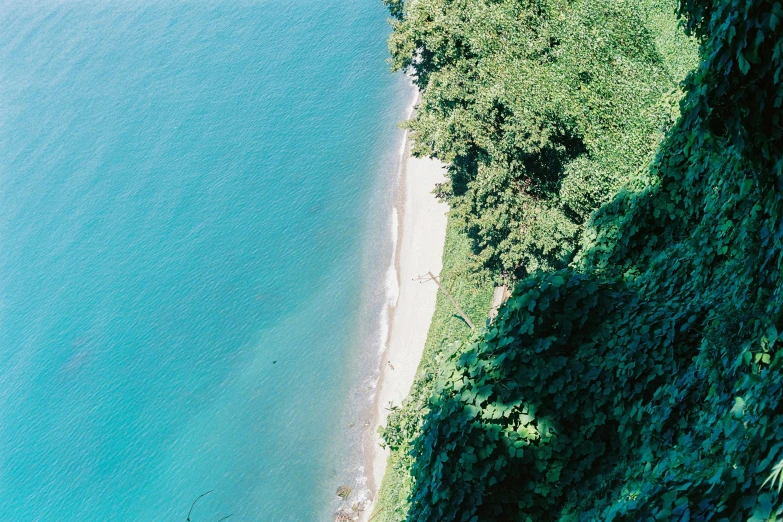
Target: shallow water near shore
190, 200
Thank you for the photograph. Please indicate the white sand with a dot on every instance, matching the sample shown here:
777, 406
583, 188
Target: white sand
422, 233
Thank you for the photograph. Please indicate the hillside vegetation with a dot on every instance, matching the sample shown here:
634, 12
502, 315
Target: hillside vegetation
635, 373
541, 109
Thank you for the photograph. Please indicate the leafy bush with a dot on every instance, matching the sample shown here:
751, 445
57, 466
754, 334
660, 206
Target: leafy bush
644, 381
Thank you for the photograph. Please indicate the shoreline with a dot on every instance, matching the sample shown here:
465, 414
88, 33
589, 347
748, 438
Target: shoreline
421, 232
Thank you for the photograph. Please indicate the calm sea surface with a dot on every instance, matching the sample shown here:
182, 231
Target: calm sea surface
190, 193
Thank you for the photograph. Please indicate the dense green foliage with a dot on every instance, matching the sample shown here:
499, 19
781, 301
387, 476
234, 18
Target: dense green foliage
540, 108
643, 381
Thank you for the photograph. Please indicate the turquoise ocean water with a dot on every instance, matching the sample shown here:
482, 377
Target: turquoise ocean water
192, 195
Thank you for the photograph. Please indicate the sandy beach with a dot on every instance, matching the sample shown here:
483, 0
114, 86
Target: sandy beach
422, 230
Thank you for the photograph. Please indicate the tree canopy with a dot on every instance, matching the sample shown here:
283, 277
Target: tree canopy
540, 108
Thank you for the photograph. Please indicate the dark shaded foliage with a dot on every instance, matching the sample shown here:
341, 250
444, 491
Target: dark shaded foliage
644, 381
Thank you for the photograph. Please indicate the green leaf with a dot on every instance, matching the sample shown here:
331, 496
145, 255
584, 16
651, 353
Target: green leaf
745, 187
472, 411
743, 64
738, 410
